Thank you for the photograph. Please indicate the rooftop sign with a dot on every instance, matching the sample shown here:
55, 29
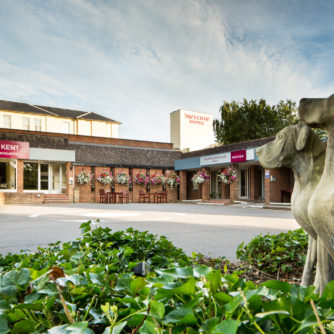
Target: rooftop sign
196, 119
14, 149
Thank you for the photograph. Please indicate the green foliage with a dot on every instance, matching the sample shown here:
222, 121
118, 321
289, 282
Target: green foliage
251, 120
272, 253
77, 288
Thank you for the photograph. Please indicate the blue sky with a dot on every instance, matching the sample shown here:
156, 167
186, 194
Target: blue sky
136, 61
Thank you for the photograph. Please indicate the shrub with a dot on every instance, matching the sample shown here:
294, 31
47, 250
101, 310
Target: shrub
86, 287
270, 253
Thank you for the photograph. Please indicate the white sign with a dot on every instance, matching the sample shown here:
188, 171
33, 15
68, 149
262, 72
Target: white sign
222, 158
250, 154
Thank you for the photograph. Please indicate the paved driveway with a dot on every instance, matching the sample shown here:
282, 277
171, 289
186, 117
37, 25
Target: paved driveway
214, 230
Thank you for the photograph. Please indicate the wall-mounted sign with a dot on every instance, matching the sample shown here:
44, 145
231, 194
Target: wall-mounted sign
250, 154
215, 159
196, 119
238, 156
14, 149
267, 173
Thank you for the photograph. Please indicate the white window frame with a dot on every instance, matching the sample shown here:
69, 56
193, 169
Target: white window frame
10, 190
37, 124
24, 121
7, 117
50, 176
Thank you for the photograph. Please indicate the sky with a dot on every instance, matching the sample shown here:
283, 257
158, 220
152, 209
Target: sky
136, 61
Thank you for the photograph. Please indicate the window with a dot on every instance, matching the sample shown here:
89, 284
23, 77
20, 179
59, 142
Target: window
37, 124
30, 176
7, 121
26, 123
44, 176
7, 174
66, 127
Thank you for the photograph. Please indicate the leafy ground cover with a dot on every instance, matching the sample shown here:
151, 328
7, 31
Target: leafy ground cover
87, 286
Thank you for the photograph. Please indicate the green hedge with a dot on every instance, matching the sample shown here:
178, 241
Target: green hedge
270, 253
87, 286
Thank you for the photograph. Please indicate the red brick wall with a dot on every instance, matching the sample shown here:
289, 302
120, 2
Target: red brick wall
284, 181
225, 190
97, 140
86, 195
122, 187
172, 192
183, 185
19, 181
157, 187
84, 192
24, 198
2, 198
98, 185
234, 187
137, 187
191, 193
206, 187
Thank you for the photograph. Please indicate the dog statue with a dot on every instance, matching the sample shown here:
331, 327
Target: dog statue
319, 113
300, 149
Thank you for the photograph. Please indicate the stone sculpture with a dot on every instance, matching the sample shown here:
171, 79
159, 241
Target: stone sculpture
298, 148
319, 113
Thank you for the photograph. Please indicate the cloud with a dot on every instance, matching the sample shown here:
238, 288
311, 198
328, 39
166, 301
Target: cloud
137, 61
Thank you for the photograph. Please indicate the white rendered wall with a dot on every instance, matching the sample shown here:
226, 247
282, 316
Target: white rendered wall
191, 130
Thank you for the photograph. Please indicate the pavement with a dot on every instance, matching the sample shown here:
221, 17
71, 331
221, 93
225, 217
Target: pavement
213, 230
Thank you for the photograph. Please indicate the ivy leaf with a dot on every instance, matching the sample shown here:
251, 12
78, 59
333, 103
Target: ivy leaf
226, 327
24, 326
177, 272
3, 324
277, 285
147, 328
157, 309
181, 316
9, 291
137, 284
16, 277
118, 328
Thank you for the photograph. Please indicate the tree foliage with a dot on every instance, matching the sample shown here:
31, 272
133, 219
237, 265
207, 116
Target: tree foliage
251, 120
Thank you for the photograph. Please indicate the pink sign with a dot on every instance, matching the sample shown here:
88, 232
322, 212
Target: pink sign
14, 149
238, 156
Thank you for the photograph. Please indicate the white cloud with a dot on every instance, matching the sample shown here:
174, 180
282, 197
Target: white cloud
137, 61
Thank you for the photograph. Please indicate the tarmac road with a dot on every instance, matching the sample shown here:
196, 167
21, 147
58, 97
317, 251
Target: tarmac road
214, 230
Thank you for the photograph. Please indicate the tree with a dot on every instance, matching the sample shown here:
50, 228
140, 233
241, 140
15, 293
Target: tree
251, 120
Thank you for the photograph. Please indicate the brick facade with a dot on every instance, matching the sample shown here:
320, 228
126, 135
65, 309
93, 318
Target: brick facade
96, 154
279, 185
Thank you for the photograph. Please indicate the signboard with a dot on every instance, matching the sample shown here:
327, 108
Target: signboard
198, 119
238, 156
267, 173
250, 154
14, 149
222, 158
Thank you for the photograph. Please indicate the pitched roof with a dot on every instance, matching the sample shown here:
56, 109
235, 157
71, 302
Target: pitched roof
52, 111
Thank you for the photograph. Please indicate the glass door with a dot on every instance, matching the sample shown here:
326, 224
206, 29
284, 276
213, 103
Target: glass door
44, 177
58, 178
244, 183
213, 185
55, 179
